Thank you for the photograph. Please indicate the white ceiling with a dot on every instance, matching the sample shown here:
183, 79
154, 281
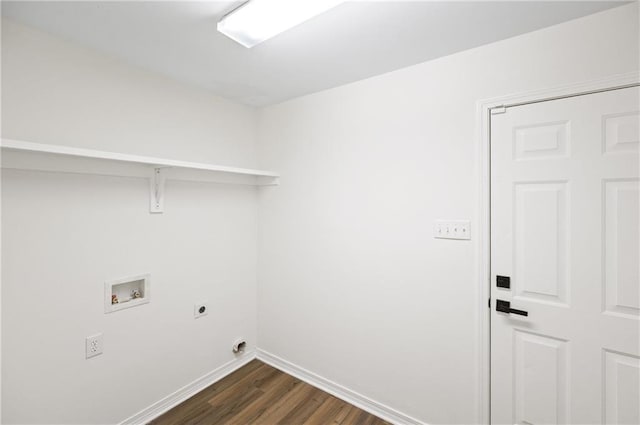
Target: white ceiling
355, 40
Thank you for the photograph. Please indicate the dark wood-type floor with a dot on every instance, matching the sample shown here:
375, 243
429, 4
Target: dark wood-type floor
259, 394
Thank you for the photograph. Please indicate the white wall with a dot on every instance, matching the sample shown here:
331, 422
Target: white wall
65, 234
352, 285
80, 97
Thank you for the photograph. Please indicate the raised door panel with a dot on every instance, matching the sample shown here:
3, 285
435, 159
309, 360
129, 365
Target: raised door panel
540, 243
541, 141
622, 247
621, 388
540, 379
622, 132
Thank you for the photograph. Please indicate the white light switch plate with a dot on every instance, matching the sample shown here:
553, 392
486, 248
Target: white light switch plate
452, 229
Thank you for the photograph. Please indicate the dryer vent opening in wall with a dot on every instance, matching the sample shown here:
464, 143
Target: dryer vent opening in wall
239, 346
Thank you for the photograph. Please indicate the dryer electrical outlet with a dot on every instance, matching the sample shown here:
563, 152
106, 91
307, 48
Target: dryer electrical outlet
200, 309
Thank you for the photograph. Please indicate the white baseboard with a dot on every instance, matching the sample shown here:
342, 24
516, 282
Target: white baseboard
189, 390
350, 396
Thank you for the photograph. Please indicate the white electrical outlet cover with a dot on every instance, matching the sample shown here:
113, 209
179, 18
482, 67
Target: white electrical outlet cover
93, 345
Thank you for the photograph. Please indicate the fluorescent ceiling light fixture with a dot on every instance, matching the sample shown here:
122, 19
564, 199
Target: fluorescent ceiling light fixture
258, 20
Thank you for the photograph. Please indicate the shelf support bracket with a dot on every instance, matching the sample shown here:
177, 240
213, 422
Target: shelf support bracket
156, 191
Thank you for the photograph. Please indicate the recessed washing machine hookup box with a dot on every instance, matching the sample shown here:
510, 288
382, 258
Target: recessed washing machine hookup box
127, 292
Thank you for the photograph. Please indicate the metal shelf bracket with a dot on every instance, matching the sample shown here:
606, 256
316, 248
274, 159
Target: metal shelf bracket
156, 191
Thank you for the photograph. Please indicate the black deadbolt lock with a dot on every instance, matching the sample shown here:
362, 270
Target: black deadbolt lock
503, 282
202, 309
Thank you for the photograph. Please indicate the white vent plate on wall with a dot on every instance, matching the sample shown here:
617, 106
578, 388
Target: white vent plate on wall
126, 292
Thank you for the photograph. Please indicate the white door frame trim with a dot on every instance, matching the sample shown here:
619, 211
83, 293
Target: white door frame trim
483, 247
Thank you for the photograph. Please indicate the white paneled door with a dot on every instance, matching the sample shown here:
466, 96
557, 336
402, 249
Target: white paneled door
565, 261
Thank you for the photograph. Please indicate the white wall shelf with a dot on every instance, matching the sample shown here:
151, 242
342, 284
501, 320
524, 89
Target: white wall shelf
23, 155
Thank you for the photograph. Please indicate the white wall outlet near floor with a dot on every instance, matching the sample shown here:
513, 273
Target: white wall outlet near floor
452, 229
200, 309
94, 345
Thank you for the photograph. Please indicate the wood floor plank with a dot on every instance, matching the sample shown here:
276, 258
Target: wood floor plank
224, 405
344, 412
357, 417
327, 413
258, 394
283, 406
278, 389
233, 378
222, 414
304, 408
252, 380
